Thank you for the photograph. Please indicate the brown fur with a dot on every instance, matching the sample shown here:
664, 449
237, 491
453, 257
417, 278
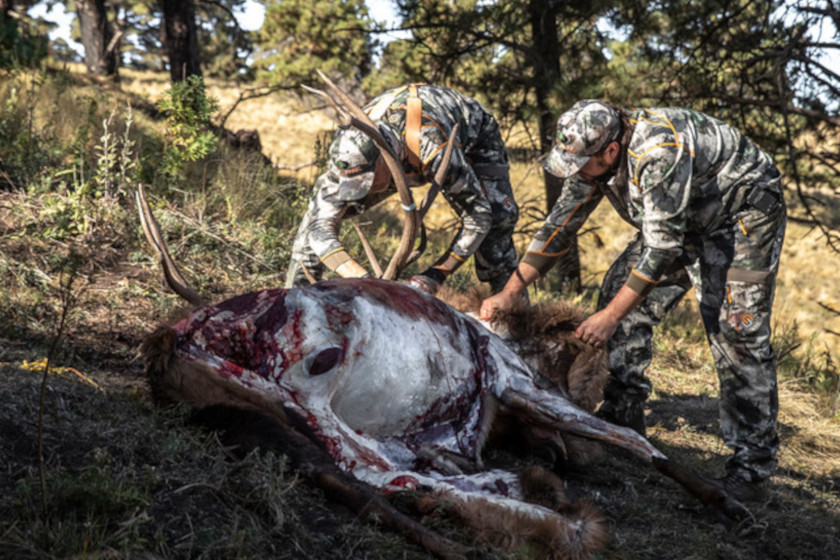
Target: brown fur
544, 337
553, 537
544, 334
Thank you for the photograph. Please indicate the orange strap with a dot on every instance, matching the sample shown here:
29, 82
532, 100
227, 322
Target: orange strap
413, 119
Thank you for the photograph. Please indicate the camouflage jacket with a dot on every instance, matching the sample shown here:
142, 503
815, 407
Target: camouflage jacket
479, 147
688, 175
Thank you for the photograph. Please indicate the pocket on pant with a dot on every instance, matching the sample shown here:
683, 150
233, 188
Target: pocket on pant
748, 302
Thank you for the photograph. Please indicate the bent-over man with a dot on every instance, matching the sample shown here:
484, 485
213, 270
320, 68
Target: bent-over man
709, 209
417, 121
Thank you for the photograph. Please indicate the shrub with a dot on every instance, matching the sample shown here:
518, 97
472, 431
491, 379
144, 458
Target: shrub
188, 109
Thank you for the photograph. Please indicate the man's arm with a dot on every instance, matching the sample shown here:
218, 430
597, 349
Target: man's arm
327, 213
550, 243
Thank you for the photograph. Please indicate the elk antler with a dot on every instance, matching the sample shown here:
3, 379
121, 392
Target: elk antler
170, 270
363, 122
343, 118
437, 182
374, 262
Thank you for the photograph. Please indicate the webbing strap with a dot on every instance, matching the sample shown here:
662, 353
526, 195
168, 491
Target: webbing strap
413, 119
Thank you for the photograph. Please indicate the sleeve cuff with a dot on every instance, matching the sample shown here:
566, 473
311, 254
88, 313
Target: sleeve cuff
640, 284
541, 262
336, 258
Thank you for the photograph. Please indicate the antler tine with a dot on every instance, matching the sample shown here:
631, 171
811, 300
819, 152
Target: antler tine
308, 274
440, 176
374, 263
343, 116
170, 270
348, 104
363, 122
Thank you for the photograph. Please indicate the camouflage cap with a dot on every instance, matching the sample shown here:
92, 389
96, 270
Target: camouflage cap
582, 131
353, 158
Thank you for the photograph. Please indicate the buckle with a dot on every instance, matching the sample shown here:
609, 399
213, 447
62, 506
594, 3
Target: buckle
766, 201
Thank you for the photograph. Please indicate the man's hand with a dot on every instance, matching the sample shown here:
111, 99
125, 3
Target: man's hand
502, 300
428, 281
522, 277
597, 329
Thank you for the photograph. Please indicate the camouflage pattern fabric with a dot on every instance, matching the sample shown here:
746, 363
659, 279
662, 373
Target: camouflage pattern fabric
710, 211
477, 185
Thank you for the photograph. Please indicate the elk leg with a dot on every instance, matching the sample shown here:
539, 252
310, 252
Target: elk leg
554, 411
293, 439
708, 492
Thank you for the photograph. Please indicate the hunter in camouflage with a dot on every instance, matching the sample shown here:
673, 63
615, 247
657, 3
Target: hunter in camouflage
477, 185
709, 208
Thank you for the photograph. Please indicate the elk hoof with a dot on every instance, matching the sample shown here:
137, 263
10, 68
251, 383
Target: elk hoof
733, 512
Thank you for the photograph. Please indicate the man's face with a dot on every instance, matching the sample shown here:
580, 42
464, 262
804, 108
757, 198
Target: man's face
601, 163
381, 176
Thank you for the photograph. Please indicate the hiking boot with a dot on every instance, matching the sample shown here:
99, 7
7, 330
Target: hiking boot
742, 488
630, 414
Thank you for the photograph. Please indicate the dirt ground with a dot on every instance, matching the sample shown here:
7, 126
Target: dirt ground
126, 480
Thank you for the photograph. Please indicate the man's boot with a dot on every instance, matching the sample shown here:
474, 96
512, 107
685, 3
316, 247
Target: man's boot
742, 487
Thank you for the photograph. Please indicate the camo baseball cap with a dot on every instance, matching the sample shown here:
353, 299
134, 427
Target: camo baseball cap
582, 131
353, 158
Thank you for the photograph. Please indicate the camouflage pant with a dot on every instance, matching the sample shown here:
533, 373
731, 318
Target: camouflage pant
733, 271
495, 258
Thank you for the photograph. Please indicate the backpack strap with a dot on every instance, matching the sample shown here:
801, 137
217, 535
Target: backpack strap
413, 119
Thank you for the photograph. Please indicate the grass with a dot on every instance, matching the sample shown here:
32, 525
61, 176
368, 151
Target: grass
127, 480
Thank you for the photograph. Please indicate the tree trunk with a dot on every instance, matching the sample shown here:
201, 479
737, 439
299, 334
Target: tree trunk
181, 39
97, 38
546, 64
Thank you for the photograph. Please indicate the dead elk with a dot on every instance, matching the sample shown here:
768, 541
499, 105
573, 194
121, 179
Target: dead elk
331, 365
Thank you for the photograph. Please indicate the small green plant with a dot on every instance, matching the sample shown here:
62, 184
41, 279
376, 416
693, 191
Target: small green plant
115, 161
83, 202
188, 109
